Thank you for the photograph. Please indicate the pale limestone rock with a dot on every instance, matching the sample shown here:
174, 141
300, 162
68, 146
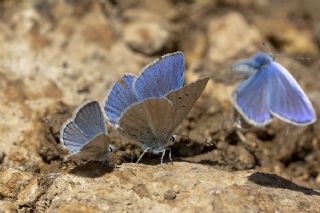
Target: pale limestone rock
229, 35
146, 37
7, 207
286, 36
144, 188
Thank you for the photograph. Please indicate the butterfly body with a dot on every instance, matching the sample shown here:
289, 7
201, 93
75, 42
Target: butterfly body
268, 91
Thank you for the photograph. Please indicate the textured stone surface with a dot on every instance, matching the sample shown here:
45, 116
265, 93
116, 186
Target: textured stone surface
146, 37
145, 188
230, 34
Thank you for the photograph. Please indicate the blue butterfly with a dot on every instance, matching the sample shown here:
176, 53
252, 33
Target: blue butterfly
84, 135
269, 90
149, 107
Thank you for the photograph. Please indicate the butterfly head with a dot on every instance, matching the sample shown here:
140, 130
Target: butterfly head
112, 148
251, 65
261, 59
173, 139
159, 145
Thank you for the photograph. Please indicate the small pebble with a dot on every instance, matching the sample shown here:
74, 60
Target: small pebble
170, 195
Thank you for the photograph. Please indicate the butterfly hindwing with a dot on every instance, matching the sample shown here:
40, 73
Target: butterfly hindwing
95, 149
90, 120
286, 99
250, 99
149, 122
72, 137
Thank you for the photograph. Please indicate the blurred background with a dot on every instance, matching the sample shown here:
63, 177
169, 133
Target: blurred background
56, 54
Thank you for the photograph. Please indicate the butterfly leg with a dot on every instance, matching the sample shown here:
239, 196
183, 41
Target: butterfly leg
142, 154
170, 156
163, 153
102, 164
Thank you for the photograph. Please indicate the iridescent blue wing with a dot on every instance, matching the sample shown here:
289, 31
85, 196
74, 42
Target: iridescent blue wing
160, 77
250, 99
90, 120
72, 137
286, 100
86, 124
119, 97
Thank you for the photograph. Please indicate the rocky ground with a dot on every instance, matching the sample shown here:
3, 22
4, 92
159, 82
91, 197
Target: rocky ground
57, 54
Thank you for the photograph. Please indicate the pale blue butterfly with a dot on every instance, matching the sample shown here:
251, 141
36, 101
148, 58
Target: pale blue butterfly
149, 107
269, 90
84, 135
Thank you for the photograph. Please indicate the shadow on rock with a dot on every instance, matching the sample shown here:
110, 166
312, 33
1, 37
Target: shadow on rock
92, 170
275, 181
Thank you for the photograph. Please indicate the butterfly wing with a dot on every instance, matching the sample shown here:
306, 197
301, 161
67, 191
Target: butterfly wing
90, 120
183, 99
250, 99
96, 149
160, 77
286, 99
85, 125
72, 137
119, 97
149, 123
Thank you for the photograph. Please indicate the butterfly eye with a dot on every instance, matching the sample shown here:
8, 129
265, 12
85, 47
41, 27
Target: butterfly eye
173, 138
112, 148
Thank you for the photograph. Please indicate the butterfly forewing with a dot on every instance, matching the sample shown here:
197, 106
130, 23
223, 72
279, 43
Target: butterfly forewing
286, 99
160, 77
90, 120
183, 99
120, 96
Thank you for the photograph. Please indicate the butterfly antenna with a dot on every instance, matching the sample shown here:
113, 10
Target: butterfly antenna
182, 135
267, 48
193, 139
241, 136
303, 58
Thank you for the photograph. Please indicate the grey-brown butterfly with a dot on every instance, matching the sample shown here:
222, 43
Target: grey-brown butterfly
84, 135
149, 107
